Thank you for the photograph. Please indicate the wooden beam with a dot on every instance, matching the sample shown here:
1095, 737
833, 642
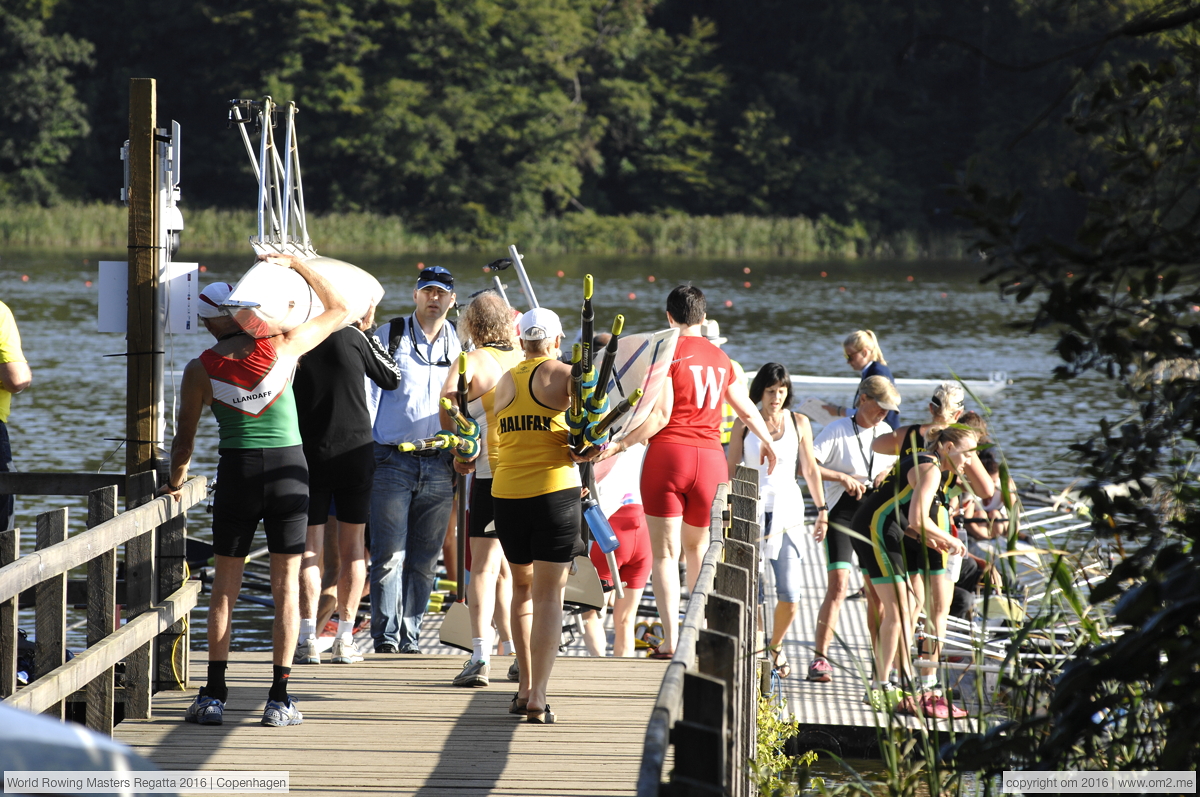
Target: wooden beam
51, 616
57, 685
59, 483
172, 646
139, 595
28, 571
10, 546
141, 425
101, 611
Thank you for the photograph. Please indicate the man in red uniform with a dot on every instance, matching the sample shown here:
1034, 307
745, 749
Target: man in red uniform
684, 461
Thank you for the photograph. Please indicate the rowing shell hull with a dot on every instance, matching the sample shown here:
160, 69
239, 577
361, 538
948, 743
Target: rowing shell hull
272, 299
642, 362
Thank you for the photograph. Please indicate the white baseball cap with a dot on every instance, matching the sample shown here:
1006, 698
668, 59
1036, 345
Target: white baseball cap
539, 324
211, 299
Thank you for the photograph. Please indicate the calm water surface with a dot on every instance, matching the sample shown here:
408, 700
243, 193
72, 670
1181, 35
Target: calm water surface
933, 319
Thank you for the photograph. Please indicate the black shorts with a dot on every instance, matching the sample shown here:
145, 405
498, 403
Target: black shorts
267, 484
923, 559
839, 551
881, 552
545, 527
483, 512
345, 479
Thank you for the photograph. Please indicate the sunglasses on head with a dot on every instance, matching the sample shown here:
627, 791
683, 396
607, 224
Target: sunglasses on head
438, 275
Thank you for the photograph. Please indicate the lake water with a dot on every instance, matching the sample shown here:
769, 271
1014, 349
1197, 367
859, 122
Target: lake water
933, 319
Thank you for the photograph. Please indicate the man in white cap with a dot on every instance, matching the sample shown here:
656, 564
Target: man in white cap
413, 491
261, 475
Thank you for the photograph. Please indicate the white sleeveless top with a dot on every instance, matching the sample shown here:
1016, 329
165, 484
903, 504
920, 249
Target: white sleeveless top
779, 492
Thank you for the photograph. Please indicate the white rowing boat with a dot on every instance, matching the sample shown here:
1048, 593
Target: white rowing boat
914, 392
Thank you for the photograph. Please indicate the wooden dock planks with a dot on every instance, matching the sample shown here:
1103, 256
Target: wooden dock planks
394, 724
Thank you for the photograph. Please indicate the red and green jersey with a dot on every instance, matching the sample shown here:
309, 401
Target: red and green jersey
252, 398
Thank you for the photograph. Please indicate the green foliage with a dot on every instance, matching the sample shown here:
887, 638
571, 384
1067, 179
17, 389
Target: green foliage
105, 226
774, 772
41, 118
1122, 295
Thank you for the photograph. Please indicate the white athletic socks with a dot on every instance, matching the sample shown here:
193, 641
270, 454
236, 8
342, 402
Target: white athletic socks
345, 629
507, 648
477, 650
308, 629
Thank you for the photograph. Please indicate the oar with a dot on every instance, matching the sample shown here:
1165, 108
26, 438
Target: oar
601, 529
576, 412
587, 326
459, 415
604, 424
435, 443
523, 278
608, 362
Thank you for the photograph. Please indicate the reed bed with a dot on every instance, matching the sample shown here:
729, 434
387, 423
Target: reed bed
101, 225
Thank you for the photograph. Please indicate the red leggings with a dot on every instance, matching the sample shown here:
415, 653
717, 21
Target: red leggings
682, 480
633, 554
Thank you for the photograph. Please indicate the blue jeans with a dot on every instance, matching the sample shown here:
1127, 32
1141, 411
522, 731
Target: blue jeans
410, 507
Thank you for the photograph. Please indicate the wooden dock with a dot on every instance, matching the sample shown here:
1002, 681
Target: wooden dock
393, 724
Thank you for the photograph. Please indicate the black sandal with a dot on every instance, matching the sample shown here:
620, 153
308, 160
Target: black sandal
517, 706
540, 716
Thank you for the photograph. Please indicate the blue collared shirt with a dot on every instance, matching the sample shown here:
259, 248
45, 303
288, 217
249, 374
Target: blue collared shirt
410, 412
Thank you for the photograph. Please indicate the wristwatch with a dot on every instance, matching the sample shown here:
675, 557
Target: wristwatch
823, 508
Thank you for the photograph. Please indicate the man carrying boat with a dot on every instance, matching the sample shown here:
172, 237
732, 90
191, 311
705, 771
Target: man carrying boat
14, 377
684, 459
413, 491
336, 427
262, 475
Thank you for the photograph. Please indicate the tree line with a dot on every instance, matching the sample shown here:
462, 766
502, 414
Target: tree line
460, 114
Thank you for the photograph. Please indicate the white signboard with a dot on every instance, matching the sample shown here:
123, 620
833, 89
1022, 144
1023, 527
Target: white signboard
182, 295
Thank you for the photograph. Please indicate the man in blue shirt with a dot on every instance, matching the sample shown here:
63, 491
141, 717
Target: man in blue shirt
413, 492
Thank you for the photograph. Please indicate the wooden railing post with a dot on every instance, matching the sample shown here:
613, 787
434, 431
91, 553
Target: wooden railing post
744, 528
700, 738
10, 548
139, 594
171, 653
51, 612
102, 610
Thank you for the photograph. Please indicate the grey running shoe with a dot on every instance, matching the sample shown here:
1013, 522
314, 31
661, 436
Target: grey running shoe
474, 673
386, 647
280, 715
345, 652
206, 711
514, 670
307, 652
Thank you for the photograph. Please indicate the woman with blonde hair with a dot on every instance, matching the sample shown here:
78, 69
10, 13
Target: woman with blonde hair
863, 354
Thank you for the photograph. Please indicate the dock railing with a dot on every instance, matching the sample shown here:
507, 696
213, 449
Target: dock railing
707, 707
153, 639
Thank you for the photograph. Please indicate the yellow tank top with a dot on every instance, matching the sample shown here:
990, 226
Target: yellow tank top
483, 410
533, 444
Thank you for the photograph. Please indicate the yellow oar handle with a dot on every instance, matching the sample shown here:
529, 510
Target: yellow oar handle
587, 287
459, 419
618, 325
462, 363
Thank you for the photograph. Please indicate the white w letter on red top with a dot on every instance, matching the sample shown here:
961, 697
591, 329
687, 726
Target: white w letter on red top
708, 387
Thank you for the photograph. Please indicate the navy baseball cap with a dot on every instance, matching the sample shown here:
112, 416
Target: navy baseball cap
437, 277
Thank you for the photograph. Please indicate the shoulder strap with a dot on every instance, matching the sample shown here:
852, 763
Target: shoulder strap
796, 427
395, 333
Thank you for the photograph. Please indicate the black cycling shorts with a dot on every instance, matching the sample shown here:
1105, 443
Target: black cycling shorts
923, 559
267, 484
545, 527
483, 512
839, 551
345, 479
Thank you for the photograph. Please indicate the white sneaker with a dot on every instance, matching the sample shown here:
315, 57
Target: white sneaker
307, 652
345, 652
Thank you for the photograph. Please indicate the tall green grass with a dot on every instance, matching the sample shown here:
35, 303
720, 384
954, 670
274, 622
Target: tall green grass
99, 225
